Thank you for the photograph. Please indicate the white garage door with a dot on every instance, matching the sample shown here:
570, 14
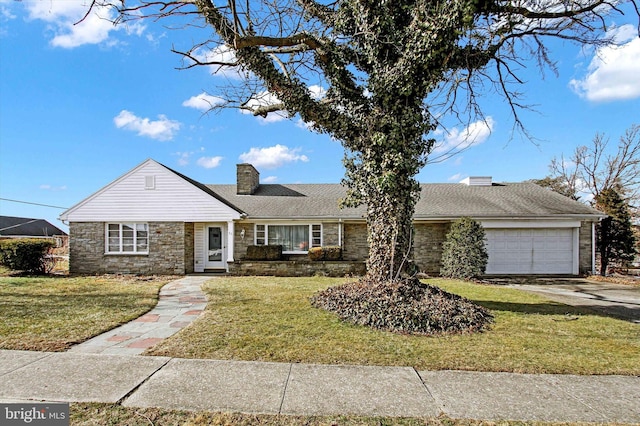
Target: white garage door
530, 251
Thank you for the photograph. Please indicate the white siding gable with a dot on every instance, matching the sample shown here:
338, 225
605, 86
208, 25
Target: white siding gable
150, 192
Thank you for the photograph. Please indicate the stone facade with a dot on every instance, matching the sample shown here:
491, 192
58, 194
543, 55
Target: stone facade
171, 251
427, 246
586, 249
330, 233
189, 250
355, 245
167, 250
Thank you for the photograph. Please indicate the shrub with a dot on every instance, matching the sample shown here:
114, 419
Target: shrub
325, 253
403, 306
464, 253
28, 255
264, 253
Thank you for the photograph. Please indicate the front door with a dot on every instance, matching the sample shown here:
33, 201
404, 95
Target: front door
214, 247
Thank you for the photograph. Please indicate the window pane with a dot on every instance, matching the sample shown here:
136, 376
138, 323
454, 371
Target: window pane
291, 237
317, 235
260, 235
113, 237
142, 237
114, 244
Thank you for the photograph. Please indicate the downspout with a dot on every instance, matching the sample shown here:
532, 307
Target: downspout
340, 233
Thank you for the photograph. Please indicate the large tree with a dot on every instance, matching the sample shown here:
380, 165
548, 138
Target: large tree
615, 239
374, 74
595, 168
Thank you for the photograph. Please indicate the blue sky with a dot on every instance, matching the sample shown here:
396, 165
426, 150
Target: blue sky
81, 105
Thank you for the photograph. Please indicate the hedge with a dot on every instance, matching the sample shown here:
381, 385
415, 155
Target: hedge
325, 253
273, 252
28, 255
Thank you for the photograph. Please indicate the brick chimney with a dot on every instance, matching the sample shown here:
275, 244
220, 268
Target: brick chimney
248, 179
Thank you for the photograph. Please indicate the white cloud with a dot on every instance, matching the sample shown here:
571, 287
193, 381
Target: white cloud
614, 70
218, 56
71, 26
265, 99
162, 129
209, 162
203, 102
270, 179
183, 158
317, 92
48, 187
68, 26
456, 140
455, 178
272, 157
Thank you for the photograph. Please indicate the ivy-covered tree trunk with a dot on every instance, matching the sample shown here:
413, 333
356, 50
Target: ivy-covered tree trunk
381, 174
389, 229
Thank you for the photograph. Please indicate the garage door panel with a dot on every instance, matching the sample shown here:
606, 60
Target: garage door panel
530, 251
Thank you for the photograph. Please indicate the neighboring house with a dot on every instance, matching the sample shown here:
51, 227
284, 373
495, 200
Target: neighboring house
156, 220
23, 227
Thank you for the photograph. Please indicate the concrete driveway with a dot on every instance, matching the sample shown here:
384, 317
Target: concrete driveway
616, 300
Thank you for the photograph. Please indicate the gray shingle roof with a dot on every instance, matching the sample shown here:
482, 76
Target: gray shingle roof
507, 200
11, 226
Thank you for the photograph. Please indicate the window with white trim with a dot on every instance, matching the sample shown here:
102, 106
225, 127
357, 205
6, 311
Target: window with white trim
127, 238
292, 238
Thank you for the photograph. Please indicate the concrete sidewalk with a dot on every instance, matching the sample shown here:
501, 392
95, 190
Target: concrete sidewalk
304, 389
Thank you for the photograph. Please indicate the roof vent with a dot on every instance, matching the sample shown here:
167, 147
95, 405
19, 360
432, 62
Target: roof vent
477, 181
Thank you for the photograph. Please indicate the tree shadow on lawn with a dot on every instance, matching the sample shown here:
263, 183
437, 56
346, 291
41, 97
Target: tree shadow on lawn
557, 308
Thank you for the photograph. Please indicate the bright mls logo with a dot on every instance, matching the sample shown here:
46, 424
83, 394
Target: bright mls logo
34, 414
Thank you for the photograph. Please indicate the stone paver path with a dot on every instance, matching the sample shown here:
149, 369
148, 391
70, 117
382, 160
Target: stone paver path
180, 303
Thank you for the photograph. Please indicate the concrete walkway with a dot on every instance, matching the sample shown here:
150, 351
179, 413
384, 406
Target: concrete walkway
306, 389
180, 302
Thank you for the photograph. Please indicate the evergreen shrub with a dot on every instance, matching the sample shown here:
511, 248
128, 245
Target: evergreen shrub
464, 253
28, 255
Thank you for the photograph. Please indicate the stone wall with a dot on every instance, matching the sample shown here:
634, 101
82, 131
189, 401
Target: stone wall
189, 249
354, 240
167, 250
241, 244
427, 249
330, 234
585, 249
297, 268
427, 246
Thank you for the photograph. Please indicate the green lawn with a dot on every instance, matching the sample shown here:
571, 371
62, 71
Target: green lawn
270, 319
52, 313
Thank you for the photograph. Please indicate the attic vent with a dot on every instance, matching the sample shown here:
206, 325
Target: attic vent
477, 181
149, 182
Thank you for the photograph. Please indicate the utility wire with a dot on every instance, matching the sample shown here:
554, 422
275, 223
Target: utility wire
35, 204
